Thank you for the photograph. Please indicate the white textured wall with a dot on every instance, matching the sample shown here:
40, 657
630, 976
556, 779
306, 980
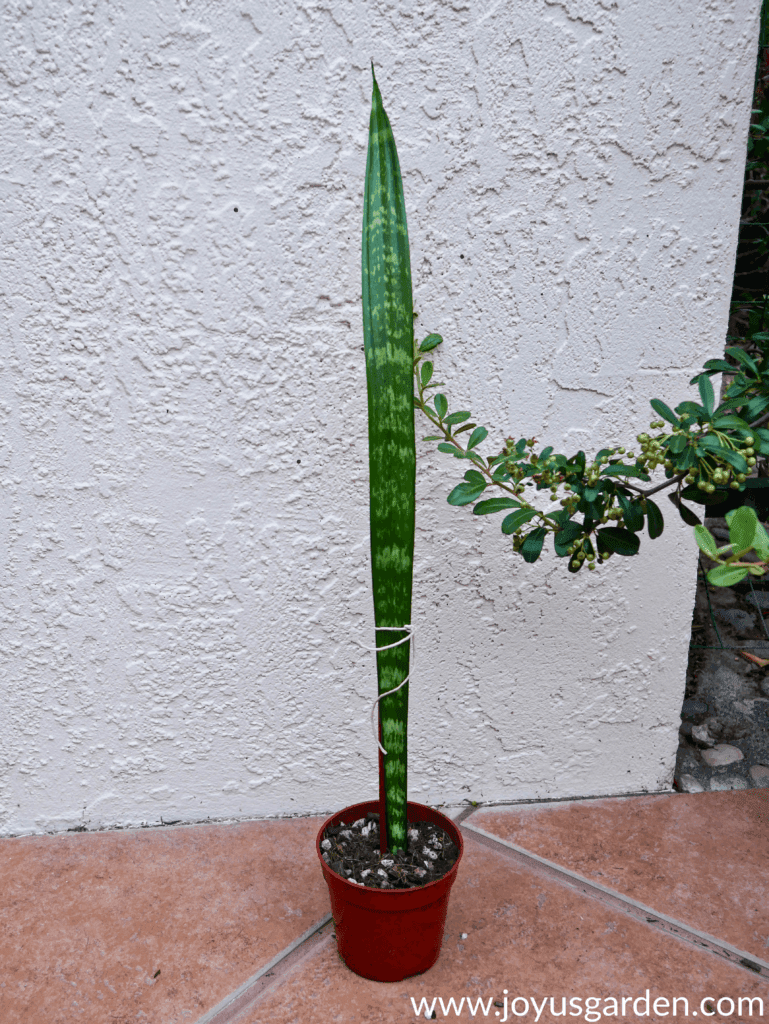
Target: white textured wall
184, 541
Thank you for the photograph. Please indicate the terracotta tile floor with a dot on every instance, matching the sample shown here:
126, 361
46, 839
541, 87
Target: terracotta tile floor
87, 920
703, 862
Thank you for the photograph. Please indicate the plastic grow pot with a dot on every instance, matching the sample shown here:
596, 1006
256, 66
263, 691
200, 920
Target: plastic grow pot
389, 934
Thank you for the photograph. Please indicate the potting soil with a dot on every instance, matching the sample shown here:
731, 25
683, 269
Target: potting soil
352, 851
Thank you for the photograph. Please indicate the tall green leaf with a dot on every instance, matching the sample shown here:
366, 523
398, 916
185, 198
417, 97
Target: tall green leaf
389, 346
631, 513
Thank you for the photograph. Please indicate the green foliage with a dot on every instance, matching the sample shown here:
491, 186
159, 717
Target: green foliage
531, 548
705, 449
623, 542
485, 508
654, 519
478, 435
469, 491
746, 535
706, 541
431, 341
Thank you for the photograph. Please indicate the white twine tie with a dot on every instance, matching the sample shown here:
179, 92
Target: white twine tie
410, 636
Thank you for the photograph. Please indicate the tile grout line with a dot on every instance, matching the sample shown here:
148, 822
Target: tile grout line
617, 901
244, 997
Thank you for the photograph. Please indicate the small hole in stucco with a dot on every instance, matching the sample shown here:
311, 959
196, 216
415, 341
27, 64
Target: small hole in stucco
234, 209
298, 461
461, 256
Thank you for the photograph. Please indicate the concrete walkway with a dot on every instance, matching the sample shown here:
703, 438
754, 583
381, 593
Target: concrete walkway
595, 900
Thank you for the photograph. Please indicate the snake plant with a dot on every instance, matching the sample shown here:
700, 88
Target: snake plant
388, 335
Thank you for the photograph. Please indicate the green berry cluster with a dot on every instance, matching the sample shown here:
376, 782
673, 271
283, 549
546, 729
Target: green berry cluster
711, 472
652, 448
582, 550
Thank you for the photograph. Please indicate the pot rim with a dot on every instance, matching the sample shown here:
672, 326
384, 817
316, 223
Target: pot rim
412, 812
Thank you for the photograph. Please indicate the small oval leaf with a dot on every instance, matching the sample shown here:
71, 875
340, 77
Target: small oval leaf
478, 435
686, 513
706, 393
664, 411
465, 493
511, 523
726, 575
566, 536
654, 519
474, 477
742, 528
706, 541
621, 542
491, 505
457, 417
632, 513
531, 548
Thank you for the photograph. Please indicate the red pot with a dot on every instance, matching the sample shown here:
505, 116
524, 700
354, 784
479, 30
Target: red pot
389, 934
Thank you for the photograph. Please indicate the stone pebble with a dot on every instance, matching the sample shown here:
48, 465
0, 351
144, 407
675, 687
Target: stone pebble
727, 782
722, 753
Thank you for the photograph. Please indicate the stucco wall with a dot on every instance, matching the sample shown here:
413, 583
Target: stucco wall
183, 455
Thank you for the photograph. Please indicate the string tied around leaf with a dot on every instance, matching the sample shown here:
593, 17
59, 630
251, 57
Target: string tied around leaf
386, 647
